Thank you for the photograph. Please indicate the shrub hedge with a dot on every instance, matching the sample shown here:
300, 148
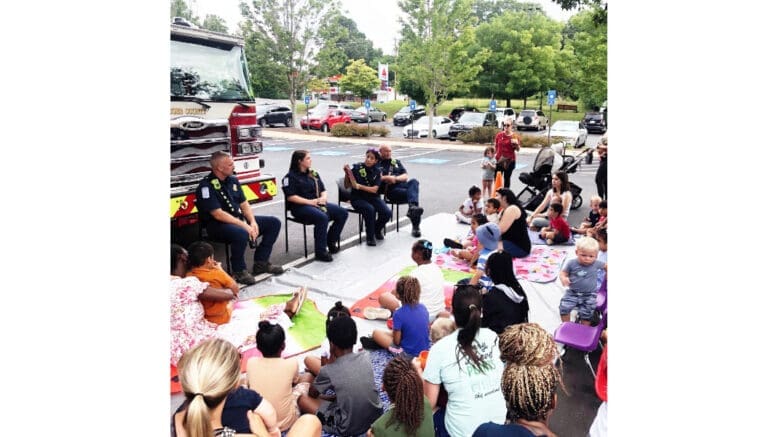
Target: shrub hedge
354, 130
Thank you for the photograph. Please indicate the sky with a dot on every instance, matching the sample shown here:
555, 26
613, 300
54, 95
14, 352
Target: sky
380, 27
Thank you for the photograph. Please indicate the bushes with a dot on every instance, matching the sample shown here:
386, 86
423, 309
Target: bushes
480, 135
354, 130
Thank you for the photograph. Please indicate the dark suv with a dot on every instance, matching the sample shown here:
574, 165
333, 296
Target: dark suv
471, 120
595, 122
273, 114
457, 111
403, 116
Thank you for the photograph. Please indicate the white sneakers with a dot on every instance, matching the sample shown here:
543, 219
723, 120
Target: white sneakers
374, 313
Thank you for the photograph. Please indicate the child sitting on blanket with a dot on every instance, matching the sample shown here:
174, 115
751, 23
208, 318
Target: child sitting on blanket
593, 216
558, 231
410, 331
469, 240
356, 404
312, 363
440, 328
470, 252
204, 266
602, 223
471, 205
492, 209
579, 275
276, 378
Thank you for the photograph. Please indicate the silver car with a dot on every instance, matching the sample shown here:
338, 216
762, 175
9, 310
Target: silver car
531, 119
571, 132
359, 115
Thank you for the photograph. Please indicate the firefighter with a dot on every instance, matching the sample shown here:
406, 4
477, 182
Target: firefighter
226, 214
397, 186
306, 199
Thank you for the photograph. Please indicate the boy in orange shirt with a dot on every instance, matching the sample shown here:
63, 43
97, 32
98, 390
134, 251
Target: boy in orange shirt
207, 269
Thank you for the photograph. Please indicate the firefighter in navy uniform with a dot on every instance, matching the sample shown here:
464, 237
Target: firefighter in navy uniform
364, 181
399, 188
307, 200
226, 214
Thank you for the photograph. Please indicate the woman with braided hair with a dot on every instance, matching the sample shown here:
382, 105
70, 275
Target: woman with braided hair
410, 414
529, 382
466, 363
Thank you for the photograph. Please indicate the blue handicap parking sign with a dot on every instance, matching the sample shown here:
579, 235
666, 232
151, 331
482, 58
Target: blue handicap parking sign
307, 100
492, 105
412, 105
367, 103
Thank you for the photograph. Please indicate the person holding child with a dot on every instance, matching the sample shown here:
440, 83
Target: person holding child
470, 206
579, 276
512, 225
204, 267
410, 331
488, 164
356, 405
558, 231
306, 198
559, 187
491, 210
363, 179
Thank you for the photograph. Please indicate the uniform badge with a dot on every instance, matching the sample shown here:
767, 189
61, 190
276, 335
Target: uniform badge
205, 193
285, 181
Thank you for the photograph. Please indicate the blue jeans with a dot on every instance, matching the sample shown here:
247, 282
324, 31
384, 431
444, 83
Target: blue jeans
513, 249
367, 208
320, 220
237, 237
404, 192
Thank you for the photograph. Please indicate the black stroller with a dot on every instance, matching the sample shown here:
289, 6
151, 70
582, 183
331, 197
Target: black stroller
547, 162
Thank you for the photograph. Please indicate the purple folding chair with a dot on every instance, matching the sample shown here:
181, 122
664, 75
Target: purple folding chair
601, 297
581, 337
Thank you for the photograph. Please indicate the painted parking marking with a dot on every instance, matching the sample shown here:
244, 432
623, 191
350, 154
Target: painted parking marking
328, 152
436, 161
275, 148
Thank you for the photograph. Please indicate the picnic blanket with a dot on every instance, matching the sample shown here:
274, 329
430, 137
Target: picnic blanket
542, 265
371, 300
307, 331
534, 236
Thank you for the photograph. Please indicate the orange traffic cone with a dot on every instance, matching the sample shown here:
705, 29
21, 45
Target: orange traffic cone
498, 182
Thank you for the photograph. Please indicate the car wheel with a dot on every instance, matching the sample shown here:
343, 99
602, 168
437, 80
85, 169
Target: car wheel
288, 122
577, 202
383, 118
434, 134
263, 123
324, 128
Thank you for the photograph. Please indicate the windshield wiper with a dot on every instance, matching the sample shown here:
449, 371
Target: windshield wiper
190, 99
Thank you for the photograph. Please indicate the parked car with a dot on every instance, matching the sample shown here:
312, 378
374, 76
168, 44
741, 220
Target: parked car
531, 119
268, 115
359, 115
502, 113
324, 122
469, 121
404, 115
440, 127
571, 132
323, 107
595, 122
457, 111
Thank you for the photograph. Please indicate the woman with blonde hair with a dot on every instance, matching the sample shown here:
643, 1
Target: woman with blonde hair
529, 382
209, 372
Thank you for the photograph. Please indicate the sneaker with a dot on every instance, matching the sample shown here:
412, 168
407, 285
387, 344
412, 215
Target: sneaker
374, 313
244, 277
265, 267
324, 257
369, 343
452, 244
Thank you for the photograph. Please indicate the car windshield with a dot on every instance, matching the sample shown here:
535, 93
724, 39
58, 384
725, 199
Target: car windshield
528, 113
472, 117
208, 72
361, 109
404, 110
593, 116
564, 125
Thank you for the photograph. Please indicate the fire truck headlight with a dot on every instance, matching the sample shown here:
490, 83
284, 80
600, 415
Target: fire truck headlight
244, 132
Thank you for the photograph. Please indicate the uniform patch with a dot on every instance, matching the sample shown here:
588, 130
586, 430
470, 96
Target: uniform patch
234, 187
205, 193
285, 181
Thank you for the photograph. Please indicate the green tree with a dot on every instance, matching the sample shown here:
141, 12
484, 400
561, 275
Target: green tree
179, 8
524, 49
341, 41
267, 75
589, 44
599, 10
360, 79
437, 56
486, 10
288, 29
215, 23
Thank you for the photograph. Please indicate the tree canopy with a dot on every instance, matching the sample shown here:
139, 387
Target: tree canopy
589, 43
341, 41
360, 79
215, 23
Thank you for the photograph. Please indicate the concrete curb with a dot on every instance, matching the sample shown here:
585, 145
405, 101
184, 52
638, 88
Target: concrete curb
433, 144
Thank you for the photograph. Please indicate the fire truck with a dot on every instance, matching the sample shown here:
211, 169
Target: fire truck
212, 108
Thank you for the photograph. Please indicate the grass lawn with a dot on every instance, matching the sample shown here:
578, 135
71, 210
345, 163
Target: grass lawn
391, 107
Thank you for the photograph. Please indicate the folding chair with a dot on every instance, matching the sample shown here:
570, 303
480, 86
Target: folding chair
344, 195
581, 337
290, 217
393, 204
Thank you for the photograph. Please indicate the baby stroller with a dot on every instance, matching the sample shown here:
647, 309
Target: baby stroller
538, 182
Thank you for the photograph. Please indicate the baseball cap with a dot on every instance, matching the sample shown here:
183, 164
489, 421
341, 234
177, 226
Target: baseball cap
488, 235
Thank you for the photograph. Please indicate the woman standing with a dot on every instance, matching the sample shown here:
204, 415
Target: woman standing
307, 200
601, 172
364, 180
559, 189
512, 225
466, 363
507, 143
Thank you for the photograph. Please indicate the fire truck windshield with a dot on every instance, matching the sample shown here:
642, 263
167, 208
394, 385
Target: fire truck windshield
208, 73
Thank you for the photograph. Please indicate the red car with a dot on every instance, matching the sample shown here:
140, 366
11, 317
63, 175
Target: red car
325, 121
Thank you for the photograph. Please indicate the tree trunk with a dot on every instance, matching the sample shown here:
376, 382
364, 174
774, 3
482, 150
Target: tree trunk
541, 94
524, 103
507, 104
